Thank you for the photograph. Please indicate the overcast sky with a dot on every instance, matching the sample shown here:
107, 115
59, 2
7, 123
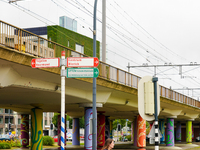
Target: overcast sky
138, 31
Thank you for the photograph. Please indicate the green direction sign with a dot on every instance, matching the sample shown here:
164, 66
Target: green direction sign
82, 72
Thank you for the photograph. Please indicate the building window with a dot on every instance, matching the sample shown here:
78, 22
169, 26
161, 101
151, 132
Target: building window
1, 110
7, 111
45, 114
19, 121
34, 48
80, 48
7, 120
40, 50
30, 47
1, 120
45, 52
45, 122
1, 130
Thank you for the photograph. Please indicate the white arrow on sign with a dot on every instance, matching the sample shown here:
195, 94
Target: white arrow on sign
45, 62
82, 62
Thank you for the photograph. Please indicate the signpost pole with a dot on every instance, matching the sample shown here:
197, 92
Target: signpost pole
155, 79
94, 121
62, 101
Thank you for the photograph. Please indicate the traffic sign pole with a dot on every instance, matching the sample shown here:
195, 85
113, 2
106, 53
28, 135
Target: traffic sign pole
62, 101
155, 79
94, 116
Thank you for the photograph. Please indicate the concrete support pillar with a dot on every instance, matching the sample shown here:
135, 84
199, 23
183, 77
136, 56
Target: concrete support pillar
24, 130
141, 132
132, 125
170, 132
135, 132
111, 129
189, 132
162, 130
76, 132
178, 132
36, 129
100, 129
88, 125
107, 127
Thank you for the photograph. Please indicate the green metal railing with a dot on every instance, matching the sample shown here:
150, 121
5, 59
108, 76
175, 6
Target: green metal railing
27, 42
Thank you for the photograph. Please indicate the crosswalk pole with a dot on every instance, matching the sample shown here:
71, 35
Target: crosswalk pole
155, 79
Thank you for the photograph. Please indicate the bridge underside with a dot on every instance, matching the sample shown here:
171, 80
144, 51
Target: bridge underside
23, 88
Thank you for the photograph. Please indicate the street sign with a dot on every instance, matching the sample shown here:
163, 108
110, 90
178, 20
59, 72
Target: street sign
82, 62
45, 62
141, 99
82, 72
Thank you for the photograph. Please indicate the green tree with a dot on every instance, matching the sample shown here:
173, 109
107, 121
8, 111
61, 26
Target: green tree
122, 122
82, 122
55, 120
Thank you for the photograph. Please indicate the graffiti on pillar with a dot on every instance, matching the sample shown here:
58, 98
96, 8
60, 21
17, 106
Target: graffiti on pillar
162, 130
141, 132
100, 130
25, 130
107, 128
178, 131
88, 136
170, 132
36, 129
189, 131
75, 132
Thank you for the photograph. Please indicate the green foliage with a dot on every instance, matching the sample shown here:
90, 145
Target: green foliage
55, 121
15, 143
62, 36
122, 122
5, 145
47, 140
128, 137
82, 122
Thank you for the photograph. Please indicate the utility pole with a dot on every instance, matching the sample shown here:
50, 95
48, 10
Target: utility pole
94, 118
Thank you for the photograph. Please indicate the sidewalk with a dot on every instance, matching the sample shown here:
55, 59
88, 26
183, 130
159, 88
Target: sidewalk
129, 146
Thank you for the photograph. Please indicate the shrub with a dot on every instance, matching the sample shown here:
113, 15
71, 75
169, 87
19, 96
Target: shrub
15, 143
5, 145
128, 137
47, 140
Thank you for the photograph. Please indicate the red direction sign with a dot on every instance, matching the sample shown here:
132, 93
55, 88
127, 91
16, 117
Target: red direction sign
45, 62
82, 62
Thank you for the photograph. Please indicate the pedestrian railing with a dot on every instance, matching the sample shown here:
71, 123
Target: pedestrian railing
27, 42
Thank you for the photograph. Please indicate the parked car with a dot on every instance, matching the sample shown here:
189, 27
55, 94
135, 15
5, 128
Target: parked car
197, 139
81, 137
4, 137
69, 136
55, 138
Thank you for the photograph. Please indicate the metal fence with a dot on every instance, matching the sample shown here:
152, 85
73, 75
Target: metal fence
27, 42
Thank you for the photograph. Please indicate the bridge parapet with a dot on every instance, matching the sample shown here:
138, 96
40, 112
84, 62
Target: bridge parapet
27, 42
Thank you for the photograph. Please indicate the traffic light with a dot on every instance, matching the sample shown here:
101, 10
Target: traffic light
51, 126
119, 127
9, 126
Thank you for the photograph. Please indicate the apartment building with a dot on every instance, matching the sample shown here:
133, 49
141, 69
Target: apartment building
8, 115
